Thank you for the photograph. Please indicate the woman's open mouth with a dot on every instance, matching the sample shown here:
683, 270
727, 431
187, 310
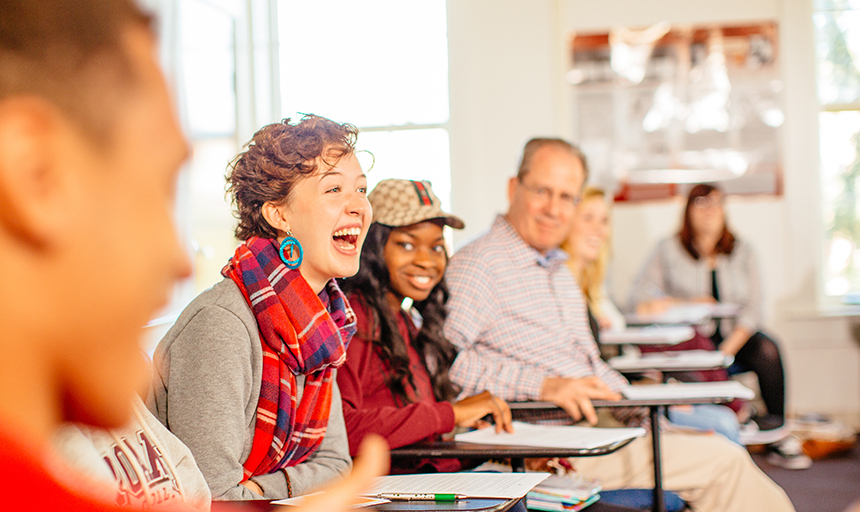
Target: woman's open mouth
346, 239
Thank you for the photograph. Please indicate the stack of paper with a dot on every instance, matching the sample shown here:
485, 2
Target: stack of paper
568, 493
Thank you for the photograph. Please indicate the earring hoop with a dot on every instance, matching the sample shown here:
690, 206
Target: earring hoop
291, 252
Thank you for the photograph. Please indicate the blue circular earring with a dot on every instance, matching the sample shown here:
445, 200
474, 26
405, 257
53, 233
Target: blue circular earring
291, 252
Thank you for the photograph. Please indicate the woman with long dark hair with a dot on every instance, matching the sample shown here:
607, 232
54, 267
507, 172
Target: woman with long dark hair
705, 262
395, 382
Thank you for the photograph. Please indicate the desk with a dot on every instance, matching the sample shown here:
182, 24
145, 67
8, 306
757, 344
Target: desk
672, 361
649, 335
466, 505
517, 454
686, 314
655, 407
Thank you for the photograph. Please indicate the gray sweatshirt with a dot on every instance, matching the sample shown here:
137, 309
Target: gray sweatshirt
207, 372
142, 464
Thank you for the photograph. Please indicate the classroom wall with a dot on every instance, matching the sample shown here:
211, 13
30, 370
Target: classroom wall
507, 62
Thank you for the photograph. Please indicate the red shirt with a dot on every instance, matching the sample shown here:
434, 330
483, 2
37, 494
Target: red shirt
26, 483
370, 407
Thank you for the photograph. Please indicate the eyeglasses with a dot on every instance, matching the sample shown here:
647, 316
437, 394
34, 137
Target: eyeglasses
704, 202
545, 195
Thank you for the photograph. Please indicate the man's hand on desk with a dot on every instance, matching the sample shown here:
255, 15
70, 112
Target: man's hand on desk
469, 410
575, 395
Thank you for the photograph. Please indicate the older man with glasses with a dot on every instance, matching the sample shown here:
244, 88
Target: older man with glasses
519, 320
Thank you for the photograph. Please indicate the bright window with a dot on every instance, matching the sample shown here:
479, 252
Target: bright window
381, 65
837, 29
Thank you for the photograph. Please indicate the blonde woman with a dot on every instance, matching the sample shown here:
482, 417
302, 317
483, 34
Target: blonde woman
588, 248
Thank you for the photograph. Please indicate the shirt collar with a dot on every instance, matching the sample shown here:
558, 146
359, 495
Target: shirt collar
522, 254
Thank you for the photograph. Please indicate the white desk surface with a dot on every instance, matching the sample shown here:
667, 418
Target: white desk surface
651, 335
672, 360
689, 314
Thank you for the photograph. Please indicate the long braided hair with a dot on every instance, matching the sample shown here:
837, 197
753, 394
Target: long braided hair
371, 286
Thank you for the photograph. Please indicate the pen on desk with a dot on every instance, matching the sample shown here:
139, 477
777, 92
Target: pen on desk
401, 496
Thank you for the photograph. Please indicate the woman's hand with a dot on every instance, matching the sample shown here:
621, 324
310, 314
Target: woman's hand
372, 462
735, 341
253, 487
469, 410
655, 306
604, 322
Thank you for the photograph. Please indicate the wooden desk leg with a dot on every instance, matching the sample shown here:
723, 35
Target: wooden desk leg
518, 464
658, 505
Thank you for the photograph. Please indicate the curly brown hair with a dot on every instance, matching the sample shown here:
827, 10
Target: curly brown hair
279, 155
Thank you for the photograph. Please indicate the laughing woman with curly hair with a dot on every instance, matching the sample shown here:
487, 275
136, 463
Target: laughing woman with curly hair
246, 376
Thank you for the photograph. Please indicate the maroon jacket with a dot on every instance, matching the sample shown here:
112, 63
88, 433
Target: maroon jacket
369, 406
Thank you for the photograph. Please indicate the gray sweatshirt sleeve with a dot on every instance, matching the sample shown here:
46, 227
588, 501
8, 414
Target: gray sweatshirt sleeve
207, 372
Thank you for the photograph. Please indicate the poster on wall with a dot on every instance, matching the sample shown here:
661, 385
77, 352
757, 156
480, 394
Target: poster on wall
659, 108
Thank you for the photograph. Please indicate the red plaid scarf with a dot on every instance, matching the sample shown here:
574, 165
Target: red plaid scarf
299, 336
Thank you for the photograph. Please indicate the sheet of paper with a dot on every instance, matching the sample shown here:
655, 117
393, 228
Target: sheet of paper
361, 501
688, 359
727, 389
473, 485
551, 436
651, 335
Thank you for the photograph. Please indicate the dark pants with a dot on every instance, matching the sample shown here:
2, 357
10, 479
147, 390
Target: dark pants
760, 354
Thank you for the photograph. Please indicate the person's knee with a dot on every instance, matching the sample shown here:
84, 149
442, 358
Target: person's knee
765, 347
728, 426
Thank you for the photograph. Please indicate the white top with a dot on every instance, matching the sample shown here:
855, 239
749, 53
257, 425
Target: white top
672, 272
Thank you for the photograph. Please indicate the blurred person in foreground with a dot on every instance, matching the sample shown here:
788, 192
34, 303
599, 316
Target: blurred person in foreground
89, 153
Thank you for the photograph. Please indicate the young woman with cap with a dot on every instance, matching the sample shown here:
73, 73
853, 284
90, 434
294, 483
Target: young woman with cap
395, 382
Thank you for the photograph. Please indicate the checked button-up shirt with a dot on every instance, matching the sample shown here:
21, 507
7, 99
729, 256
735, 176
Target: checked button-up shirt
517, 317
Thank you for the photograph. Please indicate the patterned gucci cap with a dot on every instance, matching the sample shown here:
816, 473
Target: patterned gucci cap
405, 202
